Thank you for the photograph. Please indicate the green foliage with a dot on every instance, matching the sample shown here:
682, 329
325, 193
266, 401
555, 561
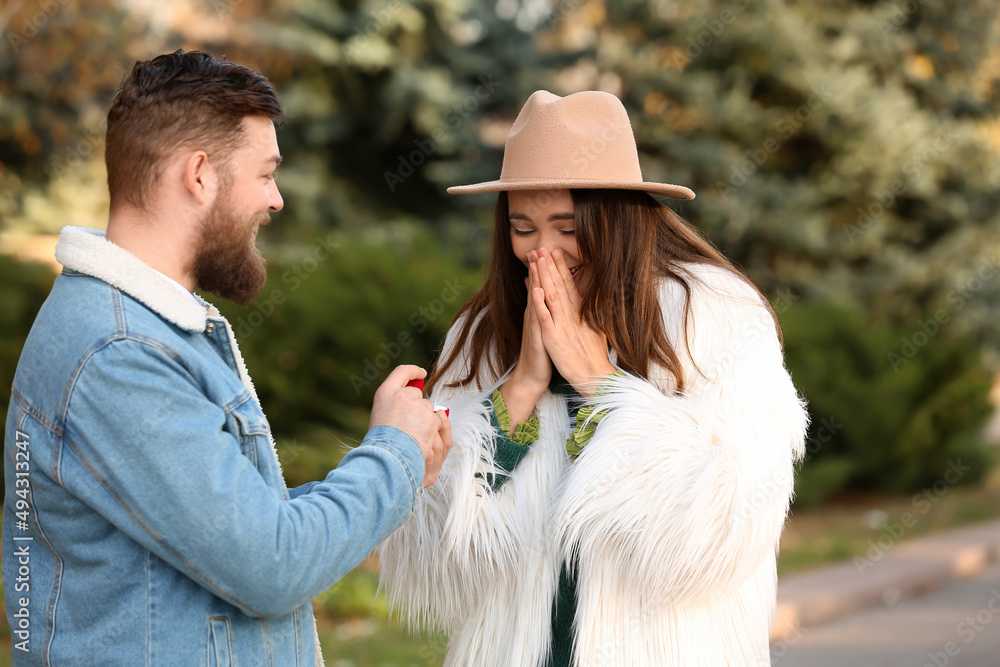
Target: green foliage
354, 595
364, 629
25, 288
891, 407
380, 644
822, 477
335, 318
841, 149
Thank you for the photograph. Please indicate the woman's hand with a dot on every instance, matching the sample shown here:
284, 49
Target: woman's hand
533, 372
578, 351
533, 365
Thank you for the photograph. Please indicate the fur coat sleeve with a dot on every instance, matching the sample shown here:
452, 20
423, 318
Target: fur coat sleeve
688, 491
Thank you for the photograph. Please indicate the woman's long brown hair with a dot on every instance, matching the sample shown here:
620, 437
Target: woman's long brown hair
629, 242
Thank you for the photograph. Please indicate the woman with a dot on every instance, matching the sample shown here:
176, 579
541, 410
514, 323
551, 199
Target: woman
624, 429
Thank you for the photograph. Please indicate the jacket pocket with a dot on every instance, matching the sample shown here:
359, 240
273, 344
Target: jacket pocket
220, 647
252, 429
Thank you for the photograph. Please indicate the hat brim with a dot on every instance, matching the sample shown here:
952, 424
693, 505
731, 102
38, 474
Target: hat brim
675, 191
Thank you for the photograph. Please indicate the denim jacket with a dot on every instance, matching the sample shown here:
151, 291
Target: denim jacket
146, 519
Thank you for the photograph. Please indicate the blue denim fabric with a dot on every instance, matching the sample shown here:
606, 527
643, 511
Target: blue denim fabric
158, 529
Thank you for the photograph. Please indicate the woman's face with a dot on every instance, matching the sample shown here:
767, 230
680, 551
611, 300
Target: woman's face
545, 219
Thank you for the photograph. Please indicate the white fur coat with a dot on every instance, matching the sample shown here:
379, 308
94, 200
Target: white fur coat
672, 511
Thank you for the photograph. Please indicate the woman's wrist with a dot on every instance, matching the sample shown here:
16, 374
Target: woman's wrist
586, 384
520, 397
517, 383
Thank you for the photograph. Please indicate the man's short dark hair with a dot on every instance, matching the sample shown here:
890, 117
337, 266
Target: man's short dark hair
179, 100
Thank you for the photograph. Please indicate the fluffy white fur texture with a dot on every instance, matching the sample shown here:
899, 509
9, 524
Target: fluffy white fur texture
88, 251
671, 515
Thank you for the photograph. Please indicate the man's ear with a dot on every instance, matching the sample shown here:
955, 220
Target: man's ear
199, 177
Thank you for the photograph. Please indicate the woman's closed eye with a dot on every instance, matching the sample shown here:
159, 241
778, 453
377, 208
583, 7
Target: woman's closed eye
528, 232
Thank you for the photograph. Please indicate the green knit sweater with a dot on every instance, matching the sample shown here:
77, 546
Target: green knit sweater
509, 452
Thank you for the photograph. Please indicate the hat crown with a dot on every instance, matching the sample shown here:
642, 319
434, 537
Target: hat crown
583, 140
581, 137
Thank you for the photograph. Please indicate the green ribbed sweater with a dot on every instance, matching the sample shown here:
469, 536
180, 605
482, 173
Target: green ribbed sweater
508, 455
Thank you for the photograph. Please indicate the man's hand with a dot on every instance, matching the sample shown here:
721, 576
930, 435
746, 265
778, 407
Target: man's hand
405, 408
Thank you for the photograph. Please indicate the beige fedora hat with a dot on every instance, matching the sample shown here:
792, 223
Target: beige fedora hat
582, 140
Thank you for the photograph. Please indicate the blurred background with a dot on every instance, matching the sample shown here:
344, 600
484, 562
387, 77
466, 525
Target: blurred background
845, 154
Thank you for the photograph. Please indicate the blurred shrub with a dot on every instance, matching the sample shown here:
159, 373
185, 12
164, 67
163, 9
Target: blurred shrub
353, 596
335, 318
891, 407
24, 288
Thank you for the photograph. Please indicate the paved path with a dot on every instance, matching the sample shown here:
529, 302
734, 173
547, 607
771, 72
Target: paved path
956, 625
886, 574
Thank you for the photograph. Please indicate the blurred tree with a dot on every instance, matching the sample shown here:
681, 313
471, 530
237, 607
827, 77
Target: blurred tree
59, 65
847, 150
391, 103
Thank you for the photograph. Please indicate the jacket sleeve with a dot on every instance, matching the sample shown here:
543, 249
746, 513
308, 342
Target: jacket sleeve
688, 491
175, 481
462, 537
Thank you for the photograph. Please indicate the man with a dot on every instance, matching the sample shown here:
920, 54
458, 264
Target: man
146, 520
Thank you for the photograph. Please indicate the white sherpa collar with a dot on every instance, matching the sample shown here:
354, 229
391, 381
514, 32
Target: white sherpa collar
88, 251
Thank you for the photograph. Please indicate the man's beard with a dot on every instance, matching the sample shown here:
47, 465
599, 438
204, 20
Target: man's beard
227, 262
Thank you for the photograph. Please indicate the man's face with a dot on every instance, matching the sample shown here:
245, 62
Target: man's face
226, 260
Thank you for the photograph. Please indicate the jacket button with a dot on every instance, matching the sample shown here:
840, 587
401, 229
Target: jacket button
210, 327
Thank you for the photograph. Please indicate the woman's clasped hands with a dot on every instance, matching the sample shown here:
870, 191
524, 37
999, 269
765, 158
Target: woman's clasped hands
554, 334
